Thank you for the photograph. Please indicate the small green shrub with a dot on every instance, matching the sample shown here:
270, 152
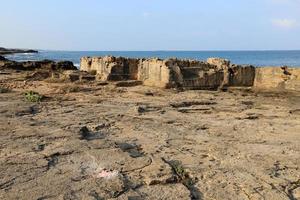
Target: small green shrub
178, 169
32, 96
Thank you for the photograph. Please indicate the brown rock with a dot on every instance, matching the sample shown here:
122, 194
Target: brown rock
214, 74
277, 78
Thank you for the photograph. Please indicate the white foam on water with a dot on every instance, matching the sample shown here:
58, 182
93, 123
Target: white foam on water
77, 65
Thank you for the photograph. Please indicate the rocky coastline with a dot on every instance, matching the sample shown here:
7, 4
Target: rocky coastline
215, 73
122, 128
5, 51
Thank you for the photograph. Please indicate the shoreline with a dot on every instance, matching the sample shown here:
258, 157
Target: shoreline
261, 59
120, 139
5, 51
187, 74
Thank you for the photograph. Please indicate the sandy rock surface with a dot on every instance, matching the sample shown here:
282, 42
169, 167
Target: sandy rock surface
99, 141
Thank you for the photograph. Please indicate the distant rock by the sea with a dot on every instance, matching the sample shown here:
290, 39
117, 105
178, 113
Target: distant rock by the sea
4, 51
2, 58
35, 65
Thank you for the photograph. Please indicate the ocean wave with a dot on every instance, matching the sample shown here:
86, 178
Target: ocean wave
77, 65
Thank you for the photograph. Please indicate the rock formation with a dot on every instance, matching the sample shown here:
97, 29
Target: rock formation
155, 72
214, 74
2, 58
111, 68
4, 51
41, 70
277, 78
33, 65
191, 74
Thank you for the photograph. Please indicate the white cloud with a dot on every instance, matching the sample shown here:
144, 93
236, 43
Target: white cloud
284, 23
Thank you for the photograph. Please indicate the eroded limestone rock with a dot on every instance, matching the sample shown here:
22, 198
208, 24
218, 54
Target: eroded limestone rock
214, 74
111, 68
277, 78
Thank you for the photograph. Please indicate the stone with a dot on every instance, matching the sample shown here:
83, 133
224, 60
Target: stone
241, 75
37, 65
71, 75
64, 65
130, 83
111, 68
141, 109
87, 77
2, 58
219, 62
276, 78
39, 75
84, 133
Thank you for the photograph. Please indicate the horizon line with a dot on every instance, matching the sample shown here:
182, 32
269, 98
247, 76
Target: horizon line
167, 50
157, 50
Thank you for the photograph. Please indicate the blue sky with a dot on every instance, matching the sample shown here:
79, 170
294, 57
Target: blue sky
151, 24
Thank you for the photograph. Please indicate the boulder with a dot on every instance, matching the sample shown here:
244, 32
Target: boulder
2, 58
64, 65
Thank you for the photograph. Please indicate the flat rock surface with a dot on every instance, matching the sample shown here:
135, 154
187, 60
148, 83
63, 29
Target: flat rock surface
98, 141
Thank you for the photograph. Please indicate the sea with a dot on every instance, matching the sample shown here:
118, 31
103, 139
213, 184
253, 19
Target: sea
256, 58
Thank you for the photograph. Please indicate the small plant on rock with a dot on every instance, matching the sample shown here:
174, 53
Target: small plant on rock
32, 96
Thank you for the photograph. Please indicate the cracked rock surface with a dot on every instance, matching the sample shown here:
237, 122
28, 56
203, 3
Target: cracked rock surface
105, 142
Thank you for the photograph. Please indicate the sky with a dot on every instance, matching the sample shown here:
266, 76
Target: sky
150, 24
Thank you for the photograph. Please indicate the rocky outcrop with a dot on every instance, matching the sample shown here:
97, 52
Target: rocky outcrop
241, 75
34, 65
4, 51
2, 58
41, 70
111, 68
283, 78
170, 73
190, 74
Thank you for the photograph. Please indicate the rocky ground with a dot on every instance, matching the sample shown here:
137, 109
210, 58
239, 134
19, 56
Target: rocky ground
92, 140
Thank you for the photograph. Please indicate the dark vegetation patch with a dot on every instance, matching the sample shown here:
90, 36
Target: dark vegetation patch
32, 96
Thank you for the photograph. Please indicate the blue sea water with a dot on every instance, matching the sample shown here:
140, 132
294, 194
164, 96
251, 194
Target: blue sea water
256, 58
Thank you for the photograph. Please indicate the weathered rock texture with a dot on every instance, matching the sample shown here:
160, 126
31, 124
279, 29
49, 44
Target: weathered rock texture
36, 65
111, 68
277, 78
191, 74
41, 70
